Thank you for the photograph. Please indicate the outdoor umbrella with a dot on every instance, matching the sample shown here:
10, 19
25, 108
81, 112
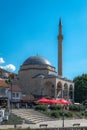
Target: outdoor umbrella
43, 101
53, 101
63, 101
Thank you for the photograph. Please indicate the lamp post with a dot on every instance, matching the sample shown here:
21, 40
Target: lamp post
63, 116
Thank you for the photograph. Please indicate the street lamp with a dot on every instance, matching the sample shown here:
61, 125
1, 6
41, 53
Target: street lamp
63, 116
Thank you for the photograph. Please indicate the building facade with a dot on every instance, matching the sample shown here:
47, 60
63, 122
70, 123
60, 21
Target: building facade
38, 77
4, 101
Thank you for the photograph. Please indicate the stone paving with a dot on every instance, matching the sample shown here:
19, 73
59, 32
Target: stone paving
42, 119
51, 124
32, 115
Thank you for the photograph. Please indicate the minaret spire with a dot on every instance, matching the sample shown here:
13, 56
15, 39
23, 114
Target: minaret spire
60, 26
60, 38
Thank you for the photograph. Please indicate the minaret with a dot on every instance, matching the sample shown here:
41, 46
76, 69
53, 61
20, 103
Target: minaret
60, 38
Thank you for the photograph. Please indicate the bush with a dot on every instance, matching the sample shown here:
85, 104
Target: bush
82, 113
85, 114
13, 119
55, 107
82, 108
60, 113
76, 107
47, 112
41, 107
55, 114
68, 114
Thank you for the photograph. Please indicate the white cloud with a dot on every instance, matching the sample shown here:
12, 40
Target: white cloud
2, 60
9, 67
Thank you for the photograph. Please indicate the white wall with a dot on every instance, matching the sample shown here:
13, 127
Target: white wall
15, 97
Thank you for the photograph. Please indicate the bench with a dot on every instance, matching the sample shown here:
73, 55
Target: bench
76, 124
41, 125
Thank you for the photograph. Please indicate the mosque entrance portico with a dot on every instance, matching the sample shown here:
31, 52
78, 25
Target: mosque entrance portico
64, 89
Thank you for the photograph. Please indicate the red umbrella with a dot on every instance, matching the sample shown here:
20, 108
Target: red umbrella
43, 100
53, 101
63, 101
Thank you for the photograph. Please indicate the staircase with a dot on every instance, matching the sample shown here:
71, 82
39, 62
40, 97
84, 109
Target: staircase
30, 115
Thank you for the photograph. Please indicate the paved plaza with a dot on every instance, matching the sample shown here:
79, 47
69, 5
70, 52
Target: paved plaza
38, 118
51, 124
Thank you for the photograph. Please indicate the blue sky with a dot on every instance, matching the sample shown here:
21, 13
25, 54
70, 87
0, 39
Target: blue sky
30, 27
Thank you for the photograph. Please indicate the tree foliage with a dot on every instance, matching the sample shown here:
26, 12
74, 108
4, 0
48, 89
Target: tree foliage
80, 88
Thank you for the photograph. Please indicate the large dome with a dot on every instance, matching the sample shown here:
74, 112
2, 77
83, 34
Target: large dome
38, 60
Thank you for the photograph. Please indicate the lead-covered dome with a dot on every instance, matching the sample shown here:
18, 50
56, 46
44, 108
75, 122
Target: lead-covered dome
37, 60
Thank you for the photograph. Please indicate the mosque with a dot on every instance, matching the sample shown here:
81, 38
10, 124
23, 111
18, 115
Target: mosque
38, 77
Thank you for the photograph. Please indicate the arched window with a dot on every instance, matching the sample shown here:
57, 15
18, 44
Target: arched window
71, 92
65, 91
49, 89
59, 90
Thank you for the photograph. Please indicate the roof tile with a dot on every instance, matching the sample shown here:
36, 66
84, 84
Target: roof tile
3, 84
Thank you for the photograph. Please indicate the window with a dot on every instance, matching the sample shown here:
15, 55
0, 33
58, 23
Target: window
17, 94
13, 94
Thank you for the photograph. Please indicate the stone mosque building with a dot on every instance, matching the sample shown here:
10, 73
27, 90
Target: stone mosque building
38, 77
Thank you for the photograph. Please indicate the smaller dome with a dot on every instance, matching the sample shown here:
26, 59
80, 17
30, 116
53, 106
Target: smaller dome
39, 76
52, 75
36, 60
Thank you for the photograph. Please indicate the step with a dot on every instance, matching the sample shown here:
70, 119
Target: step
32, 115
43, 116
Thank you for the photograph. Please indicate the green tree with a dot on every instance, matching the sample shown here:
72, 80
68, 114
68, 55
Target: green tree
80, 88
